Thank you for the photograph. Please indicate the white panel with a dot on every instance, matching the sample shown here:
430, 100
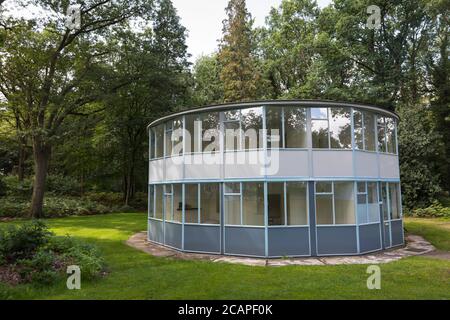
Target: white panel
289, 164
203, 166
174, 168
389, 166
332, 163
156, 170
244, 164
366, 164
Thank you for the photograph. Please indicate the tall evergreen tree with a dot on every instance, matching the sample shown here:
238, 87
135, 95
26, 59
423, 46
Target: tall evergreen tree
239, 74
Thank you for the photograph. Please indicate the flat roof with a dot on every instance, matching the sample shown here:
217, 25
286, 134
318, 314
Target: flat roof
280, 103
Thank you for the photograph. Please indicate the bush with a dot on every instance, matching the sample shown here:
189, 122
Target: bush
2, 187
436, 210
22, 242
17, 188
39, 257
62, 185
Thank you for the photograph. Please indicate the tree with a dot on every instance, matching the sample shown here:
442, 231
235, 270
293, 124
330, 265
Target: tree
208, 88
49, 72
238, 72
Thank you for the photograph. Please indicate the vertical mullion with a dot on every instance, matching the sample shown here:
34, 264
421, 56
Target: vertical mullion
363, 130
285, 203
199, 203
283, 128
332, 198
329, 132
241, 203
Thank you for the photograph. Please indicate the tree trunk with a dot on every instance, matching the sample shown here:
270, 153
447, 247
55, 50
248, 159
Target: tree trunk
41, 153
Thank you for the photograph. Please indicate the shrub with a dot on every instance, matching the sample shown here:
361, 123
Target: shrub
435, 210
17, 188
39, 257
62, 185
22, 242
2, 187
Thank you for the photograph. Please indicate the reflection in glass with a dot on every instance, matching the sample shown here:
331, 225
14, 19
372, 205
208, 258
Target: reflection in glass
209, 132
252, 124
159, 137
373, 205
381, 134
232, 135
274, 127
390, 135
369, 131
295, 127
394, 200
358, 128
340, 128
319, 113
159, 195
319, 130
168, 210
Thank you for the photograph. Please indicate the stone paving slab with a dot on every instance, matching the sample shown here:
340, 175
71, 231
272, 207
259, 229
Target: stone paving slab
415, 245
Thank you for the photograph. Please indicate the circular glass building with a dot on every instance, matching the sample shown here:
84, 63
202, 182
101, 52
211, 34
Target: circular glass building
275, 179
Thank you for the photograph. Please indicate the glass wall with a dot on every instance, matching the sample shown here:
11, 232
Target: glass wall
191, 208
159, 196
253, 203
209, 203
367, 202
335, 203
331, 128
177, 202
287, 203
295, 127
232, 203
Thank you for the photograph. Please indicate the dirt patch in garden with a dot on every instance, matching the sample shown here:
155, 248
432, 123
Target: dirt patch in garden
9, 275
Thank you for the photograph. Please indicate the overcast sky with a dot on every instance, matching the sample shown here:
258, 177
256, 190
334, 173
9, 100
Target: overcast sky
203, 19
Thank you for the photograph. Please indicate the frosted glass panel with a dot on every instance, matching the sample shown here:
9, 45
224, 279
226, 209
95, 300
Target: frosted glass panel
344, 203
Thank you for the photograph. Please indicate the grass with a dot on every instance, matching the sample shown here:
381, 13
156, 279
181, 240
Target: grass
137, 275
437, 231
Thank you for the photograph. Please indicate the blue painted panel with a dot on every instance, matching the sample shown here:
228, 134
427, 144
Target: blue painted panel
155, 231
397, 233
369, 237
288, 242
202, 238
245, 241
173, 235
336, 240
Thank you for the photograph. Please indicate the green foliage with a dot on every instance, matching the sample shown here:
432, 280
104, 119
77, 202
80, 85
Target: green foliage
39, 257
238, 74
59, 184
54, 206
17, 188
435, 210
21, 242
421, 151
208, 88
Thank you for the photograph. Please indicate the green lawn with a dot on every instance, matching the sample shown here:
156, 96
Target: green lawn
136, 275
437, 231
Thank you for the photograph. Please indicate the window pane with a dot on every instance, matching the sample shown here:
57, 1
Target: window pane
177, 203
295, 127
232, 115
362, 208
369, 131
232, 187
394, 199
159, 135
253, 204
297, 209
275, 199
384, 203
274, 127
191, 203
168, 139
168, 210
232, 135
158, 202
390, 135
190, 133
381, 135
177, 136
358, 127
319, 113
252, 122
372, 195
344, 205
210, 203
323, 187
210, 131
361, 187
340, 128
232, 206
151, 201
324, 209
319, 129
152, 144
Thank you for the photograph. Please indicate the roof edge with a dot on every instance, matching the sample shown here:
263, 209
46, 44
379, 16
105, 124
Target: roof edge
256, 103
